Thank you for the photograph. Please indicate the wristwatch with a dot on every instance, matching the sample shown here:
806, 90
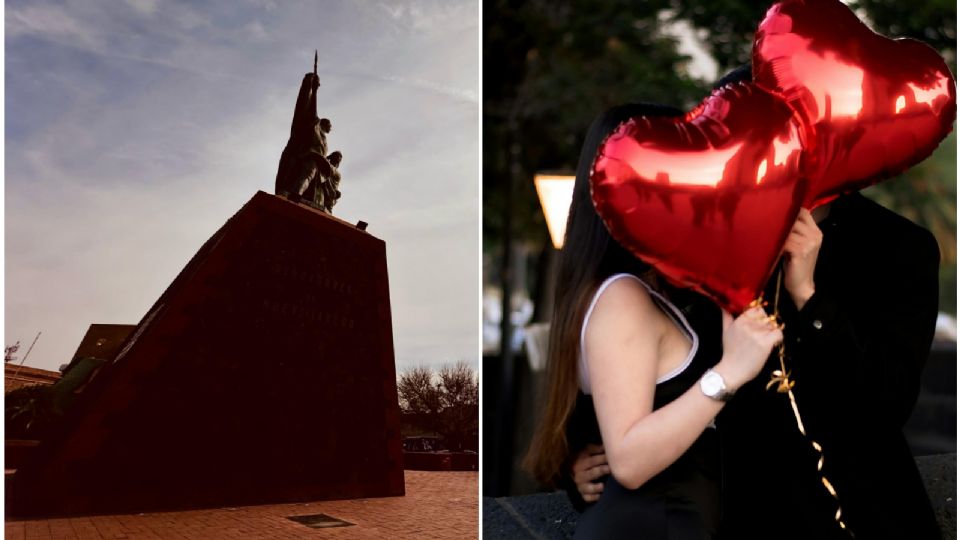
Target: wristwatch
713, 386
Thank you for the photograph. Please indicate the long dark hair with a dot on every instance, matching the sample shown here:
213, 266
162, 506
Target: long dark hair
588, 257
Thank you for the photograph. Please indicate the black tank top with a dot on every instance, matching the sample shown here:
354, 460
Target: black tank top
683, 500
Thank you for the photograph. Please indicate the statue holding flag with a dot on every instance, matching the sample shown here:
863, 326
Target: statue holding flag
307, 174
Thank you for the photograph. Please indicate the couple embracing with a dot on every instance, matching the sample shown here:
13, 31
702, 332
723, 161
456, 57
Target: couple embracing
657, 420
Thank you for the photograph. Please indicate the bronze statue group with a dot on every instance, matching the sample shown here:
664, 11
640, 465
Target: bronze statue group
307, 173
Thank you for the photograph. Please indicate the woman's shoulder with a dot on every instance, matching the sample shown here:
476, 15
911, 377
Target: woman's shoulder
623, 287
621, 301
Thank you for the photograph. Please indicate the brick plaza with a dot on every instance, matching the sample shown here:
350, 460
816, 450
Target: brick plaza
437, 505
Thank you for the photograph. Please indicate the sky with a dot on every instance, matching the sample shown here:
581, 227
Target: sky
135, 129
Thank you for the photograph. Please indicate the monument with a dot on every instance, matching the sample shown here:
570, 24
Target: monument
263, 374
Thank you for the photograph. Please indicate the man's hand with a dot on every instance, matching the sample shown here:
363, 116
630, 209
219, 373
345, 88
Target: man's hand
591, 464
801, 250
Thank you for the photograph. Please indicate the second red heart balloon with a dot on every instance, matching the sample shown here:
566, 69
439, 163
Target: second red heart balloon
871, 106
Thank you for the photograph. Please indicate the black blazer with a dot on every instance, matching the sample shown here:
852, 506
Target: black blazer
856, 352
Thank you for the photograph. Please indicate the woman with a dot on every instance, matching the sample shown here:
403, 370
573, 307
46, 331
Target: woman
637, 359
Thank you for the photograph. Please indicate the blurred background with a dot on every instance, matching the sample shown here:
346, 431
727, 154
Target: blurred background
549, 68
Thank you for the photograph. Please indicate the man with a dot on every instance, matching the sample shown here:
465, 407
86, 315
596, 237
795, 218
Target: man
859, 300
329, 189
306, 135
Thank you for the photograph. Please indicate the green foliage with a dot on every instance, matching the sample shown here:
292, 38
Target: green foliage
932, 21
29, 412
549, 69
927, 195
726, 27
78, 373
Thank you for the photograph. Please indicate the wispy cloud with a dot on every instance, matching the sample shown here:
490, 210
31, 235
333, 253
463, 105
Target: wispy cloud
135, 130
456, 93
144, 7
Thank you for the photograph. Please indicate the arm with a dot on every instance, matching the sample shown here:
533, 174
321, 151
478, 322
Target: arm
621, 343
305, 110
861, 353
877, 352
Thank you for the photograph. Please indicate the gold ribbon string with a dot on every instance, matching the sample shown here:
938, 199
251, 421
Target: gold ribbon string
780, 378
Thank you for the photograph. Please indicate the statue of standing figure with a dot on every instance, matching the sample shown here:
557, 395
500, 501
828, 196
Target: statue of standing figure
307, 174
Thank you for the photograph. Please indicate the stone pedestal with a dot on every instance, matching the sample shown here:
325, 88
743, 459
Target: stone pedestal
263, 374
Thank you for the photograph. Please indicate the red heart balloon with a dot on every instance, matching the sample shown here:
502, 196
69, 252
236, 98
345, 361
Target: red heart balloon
709, 198
871, 106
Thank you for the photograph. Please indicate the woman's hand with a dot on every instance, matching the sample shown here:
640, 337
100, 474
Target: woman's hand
747, 343
591, 464
801, 250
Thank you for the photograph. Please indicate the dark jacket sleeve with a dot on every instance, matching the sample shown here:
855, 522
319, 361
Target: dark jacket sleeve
864, 350
582, 430
566, 484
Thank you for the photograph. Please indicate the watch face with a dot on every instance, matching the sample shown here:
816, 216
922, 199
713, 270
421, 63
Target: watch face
712, 384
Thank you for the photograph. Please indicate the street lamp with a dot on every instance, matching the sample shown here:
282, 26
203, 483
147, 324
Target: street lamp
555, 192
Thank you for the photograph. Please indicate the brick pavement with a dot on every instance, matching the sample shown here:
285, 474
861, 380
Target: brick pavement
437, 505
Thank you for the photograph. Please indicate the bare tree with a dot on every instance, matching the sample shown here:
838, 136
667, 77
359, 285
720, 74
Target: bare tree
420, 396
445, 402
458, 384
460, 398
